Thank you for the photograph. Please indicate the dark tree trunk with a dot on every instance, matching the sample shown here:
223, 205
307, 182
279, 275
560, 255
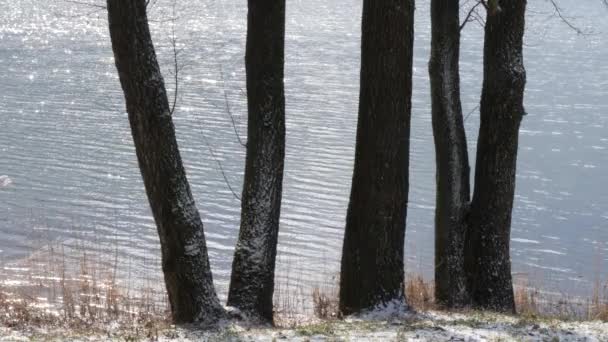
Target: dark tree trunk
452, 161
252, 282
184, 253
488, 260
372, 271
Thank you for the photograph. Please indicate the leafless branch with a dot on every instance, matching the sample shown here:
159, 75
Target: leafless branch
485, 5
151, 2
219, 164
470, 14
84, 3
93, 9
471, 112
229, 110
176, 68
558, 12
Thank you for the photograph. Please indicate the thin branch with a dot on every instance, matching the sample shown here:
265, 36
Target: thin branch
219, 164
485, 5
84, 3
479, 19
152, 2
470, 13
558, 11
94, 9
229, 110
176, 69
471, 112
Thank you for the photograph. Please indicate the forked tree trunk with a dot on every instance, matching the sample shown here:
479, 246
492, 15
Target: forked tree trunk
184, 253
452, 161
252, 282
488, 260
372, 271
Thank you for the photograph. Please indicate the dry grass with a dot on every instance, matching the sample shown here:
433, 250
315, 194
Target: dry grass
532, 302
54, 290
420, 294
599, 302
529, 301
82, 290
290, 299
325, 305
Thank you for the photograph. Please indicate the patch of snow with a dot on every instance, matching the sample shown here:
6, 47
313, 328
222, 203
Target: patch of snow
396, 308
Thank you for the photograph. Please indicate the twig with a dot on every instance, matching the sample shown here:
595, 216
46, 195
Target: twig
173, 41
471, 112
229, 110
558, 11
84, 3
95, 9
219, 164
470, 13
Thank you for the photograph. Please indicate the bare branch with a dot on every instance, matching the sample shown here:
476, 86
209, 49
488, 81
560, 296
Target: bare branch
84, 3
92, 9
176, 69
485, 5
219, 164
470, 13
151, 2
558, 12
229, 110
471, 112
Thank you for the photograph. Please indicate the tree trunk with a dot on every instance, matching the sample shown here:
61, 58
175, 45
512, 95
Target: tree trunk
252, 282
372, 271
184, 253
488, 260
452, 161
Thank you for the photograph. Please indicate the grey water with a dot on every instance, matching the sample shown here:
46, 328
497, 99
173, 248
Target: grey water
68, 171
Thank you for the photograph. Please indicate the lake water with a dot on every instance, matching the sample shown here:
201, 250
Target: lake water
68, 172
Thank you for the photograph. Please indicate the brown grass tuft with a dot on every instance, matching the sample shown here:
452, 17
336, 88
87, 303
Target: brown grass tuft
420, 294
599, 302
77, 293
325, 305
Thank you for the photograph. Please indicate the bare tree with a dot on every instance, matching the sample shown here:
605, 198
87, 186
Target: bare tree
185, 261
252, 281
372, 270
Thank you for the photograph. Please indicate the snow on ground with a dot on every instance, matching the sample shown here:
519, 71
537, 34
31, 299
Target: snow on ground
428, 326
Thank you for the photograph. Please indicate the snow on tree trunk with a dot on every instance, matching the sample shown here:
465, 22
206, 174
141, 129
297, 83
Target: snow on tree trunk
252, 282
488, 260
372, 270
452, 175
184, 254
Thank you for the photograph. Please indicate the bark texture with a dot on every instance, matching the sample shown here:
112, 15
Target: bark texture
372, 269
451, 156
488, 259
184, 254
252, 282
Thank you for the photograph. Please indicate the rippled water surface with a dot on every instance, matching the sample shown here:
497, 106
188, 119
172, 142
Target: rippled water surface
68, 171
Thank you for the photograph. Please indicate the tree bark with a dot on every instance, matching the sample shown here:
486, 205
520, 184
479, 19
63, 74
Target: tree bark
184, 253
488, 259
252, 282
452, 161
372, 269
